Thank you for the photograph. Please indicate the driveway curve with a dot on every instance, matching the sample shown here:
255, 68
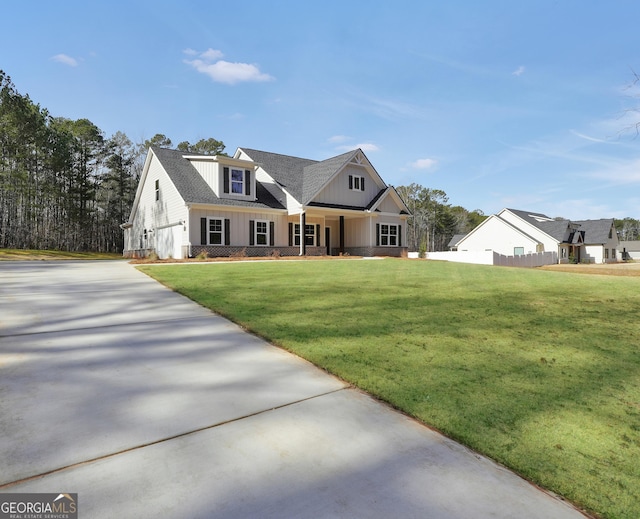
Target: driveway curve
147, 405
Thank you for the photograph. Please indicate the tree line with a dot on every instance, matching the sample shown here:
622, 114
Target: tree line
435, 221
63, 184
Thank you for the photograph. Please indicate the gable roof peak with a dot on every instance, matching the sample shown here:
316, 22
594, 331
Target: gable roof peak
539, 217
304, 178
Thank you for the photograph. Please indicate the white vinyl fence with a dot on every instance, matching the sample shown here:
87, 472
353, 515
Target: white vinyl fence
489, 257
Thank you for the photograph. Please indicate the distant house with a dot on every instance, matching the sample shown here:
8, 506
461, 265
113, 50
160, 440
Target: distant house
513, 232
629, 250
259, 203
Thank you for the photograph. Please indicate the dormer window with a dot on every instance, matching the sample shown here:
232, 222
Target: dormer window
356, 183
237, 181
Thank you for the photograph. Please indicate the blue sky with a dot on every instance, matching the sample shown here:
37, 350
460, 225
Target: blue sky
498, 103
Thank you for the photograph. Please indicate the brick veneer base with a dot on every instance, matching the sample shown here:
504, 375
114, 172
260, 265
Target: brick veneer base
215, 251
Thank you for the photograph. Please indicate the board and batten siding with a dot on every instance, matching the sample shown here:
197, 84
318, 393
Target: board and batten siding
359, 232
389, 205
152, 214
390, 220
362, 232
210, 171
337, 191
239, 226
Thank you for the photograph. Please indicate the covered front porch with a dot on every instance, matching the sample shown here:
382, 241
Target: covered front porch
569, 253
343, 232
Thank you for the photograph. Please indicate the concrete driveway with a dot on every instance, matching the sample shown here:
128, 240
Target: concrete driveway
148, 405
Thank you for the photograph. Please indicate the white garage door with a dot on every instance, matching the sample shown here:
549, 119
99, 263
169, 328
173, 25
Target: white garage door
169, 242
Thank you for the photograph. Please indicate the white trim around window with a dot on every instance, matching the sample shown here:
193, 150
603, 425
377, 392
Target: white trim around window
388, 235
237, 181
296, 235
215, 231
356, 182
262, 233
310, 234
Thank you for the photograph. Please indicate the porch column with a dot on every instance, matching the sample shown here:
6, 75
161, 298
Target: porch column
342, 234
303, 243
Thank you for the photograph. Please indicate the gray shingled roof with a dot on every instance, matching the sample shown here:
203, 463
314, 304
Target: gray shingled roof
194, 189
455, 239
594, 231
302, 178
285, 170
556, 228
315, 176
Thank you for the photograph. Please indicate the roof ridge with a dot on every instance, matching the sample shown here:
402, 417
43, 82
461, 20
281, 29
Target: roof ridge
275, 153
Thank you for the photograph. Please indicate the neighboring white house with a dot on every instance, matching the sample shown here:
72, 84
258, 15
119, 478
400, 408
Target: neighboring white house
259, 203
512, 232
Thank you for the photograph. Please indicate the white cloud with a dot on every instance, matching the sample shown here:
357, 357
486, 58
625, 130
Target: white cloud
365, 146
338, 138
220, 71
424, 164
586, 137
212, 54
618, 172
65, 60
519, 71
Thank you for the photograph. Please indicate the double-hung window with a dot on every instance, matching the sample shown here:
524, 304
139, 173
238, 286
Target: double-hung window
310, 234
296, 234
157, 190
388, 235
262, 232
237, 181
216, 231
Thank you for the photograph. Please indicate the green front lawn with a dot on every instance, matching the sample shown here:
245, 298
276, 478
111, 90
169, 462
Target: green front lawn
538, 370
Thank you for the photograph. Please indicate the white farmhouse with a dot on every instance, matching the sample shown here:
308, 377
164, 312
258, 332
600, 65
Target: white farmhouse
259, 203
